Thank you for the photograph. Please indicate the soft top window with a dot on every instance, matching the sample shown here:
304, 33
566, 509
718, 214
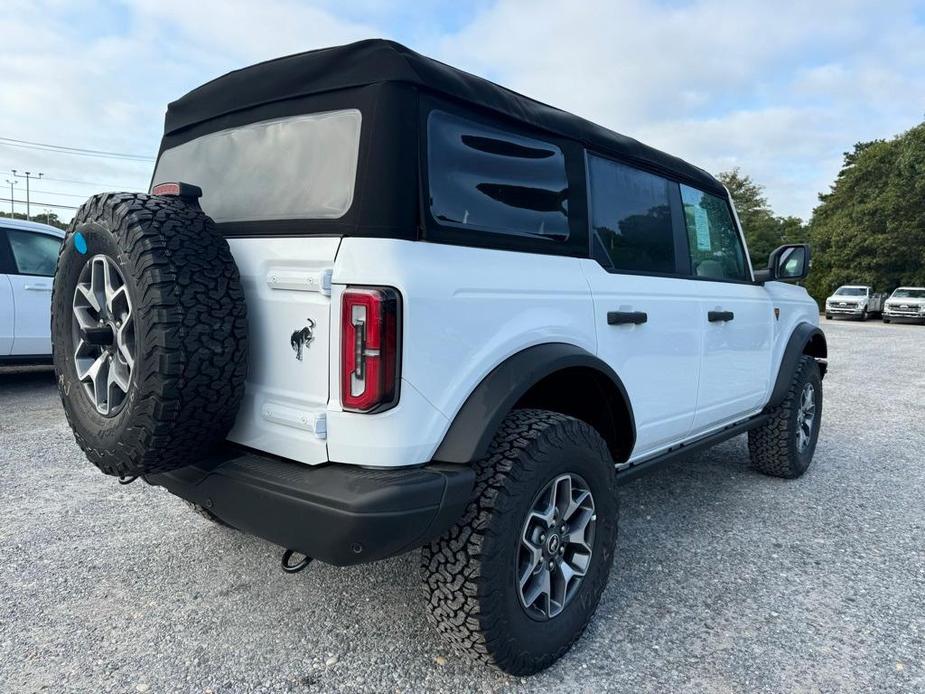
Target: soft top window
483, 178
297, 167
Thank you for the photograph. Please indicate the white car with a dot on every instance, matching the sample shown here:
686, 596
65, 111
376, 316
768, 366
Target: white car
28, 254
855, 301
373, 304
906, 303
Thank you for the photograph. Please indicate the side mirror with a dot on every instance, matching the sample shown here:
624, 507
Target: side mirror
788, 263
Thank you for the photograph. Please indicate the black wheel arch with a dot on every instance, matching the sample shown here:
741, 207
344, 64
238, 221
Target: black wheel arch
555, 376
806, 339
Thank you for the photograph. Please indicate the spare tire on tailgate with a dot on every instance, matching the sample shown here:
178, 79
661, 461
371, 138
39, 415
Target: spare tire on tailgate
149, 332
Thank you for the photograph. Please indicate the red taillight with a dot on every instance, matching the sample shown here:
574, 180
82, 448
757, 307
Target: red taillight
370, 351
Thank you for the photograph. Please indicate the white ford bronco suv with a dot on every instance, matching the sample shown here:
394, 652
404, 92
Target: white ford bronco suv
373, 303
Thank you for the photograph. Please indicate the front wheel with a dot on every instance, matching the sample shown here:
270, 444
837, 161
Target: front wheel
865, 316
784, 445
516, 581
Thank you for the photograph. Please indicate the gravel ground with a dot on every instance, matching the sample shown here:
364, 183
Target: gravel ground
724, 580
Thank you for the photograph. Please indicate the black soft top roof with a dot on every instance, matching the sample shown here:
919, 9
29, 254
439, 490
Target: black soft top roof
377, 61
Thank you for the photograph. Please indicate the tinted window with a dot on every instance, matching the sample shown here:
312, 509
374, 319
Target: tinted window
631, 217
716, 249
33, 253
486, 179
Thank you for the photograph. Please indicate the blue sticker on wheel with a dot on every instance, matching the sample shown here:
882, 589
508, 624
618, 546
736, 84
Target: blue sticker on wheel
80, 243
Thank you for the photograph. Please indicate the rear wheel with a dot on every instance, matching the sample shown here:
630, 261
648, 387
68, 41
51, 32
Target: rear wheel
517, 580
784, 446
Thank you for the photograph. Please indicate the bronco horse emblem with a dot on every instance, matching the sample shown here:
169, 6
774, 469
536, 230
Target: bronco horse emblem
302, 338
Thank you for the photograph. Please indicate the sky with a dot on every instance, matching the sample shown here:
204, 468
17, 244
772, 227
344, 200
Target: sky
780, 89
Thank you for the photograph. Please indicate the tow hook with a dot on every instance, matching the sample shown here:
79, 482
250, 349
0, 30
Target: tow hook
295, 568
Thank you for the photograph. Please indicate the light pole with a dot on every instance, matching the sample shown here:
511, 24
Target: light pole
27, 176
12, 199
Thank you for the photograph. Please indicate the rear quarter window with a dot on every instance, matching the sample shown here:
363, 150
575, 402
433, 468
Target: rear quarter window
485, 179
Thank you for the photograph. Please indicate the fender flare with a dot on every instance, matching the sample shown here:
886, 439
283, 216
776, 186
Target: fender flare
474, 426
796, 347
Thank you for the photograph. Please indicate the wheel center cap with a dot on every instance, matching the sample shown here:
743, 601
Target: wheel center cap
101, 336
552, 544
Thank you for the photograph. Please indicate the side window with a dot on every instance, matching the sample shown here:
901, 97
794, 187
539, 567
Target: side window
631, 217
716, 249
486, 179
34, 253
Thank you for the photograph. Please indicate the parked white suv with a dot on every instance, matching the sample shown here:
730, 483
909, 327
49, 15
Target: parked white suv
374, 303
28, 254
906, 303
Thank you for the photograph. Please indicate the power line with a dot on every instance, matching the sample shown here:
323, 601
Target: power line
82, 150
68, 195
77, 151
117, 186
43, 204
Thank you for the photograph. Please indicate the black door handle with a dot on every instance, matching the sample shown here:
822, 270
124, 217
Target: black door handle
719, 316
626, 317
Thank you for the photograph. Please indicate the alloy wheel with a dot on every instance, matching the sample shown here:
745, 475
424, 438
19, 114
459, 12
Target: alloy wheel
806, 416
103, 334
556, 545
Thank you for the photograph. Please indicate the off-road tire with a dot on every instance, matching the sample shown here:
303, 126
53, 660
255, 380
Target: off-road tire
203, 512
865, 316
469, 574
190, 332
828, 316
773, 447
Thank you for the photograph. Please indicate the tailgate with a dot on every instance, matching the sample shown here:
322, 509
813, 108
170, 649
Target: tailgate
287, 283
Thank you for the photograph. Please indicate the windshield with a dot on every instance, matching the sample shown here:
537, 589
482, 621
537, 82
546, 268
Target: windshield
909, 294
851, 291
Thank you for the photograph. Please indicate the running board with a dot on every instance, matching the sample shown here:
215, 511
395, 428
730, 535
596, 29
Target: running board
628, 471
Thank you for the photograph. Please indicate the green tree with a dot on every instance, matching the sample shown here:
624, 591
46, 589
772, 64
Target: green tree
763, 231
870, 227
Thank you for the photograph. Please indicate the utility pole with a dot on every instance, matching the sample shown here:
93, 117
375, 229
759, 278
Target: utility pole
12, 199
27, 176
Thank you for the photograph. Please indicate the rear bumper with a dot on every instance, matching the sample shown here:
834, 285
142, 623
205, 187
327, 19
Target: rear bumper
340, 514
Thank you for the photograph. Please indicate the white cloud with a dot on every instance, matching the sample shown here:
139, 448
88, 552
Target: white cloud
780, 89
73, 75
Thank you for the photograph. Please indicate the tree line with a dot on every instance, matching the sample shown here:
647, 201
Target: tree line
868, 229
